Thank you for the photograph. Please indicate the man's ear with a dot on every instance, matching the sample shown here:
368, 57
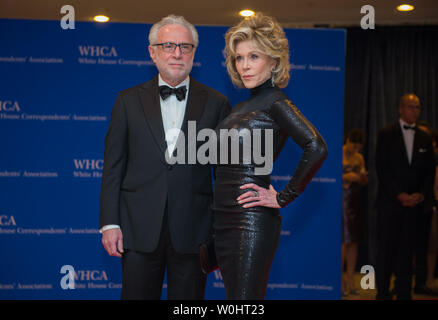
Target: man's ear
152, 53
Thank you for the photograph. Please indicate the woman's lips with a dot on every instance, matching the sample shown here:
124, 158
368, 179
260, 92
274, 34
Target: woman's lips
247, 77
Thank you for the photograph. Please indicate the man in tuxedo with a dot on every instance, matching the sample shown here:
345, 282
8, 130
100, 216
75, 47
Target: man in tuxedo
405, 170
154, 215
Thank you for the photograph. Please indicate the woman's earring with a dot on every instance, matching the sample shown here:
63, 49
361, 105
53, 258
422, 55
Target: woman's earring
272, 79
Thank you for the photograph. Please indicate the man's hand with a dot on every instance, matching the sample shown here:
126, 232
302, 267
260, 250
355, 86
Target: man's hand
406, 199
418, 197
410, 200
112, 241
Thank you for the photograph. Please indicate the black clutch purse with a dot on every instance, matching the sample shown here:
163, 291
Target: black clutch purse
207, 255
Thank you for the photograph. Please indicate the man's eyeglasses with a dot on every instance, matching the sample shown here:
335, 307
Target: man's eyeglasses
170, 47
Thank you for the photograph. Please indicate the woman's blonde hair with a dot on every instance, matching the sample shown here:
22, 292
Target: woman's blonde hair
269, 38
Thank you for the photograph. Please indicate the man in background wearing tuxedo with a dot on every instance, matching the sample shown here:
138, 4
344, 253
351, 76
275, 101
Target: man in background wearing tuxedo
155, 215
405, 171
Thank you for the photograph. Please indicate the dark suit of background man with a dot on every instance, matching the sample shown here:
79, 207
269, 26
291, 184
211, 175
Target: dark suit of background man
405, 170
155, 215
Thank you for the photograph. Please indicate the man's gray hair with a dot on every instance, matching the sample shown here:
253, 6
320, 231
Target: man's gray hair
172, 19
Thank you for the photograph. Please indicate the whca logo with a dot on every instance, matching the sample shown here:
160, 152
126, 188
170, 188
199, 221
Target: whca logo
97, 51
6, 220
9, 106
88, 164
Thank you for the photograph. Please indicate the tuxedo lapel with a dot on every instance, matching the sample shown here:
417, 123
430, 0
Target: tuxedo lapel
400, 141
417, 144
151, 107
195, 104
194, 110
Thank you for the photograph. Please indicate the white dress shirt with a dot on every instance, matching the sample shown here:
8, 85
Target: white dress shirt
408, 137
172, 113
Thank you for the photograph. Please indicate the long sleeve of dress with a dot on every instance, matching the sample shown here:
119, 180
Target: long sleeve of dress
315, 151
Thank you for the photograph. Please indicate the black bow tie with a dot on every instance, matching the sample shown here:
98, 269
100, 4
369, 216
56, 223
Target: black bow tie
408, 127
166, 91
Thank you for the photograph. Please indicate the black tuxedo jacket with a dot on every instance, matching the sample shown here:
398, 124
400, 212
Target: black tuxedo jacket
137, 181
394, 172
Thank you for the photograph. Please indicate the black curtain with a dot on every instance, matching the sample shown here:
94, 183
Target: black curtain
381, 65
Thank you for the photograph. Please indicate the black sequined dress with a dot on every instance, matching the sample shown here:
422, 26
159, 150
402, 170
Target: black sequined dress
246, 238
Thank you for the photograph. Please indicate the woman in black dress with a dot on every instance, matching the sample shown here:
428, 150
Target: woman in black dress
247, 219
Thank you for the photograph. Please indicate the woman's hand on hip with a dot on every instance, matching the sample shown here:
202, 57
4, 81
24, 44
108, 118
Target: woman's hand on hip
258, 196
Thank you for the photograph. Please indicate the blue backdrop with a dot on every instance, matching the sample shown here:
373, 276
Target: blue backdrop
57, 90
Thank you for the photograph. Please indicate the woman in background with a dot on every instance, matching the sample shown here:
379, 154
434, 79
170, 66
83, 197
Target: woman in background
433, 242
354, 177
433, 235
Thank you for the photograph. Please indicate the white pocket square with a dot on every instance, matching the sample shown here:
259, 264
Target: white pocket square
421, 150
